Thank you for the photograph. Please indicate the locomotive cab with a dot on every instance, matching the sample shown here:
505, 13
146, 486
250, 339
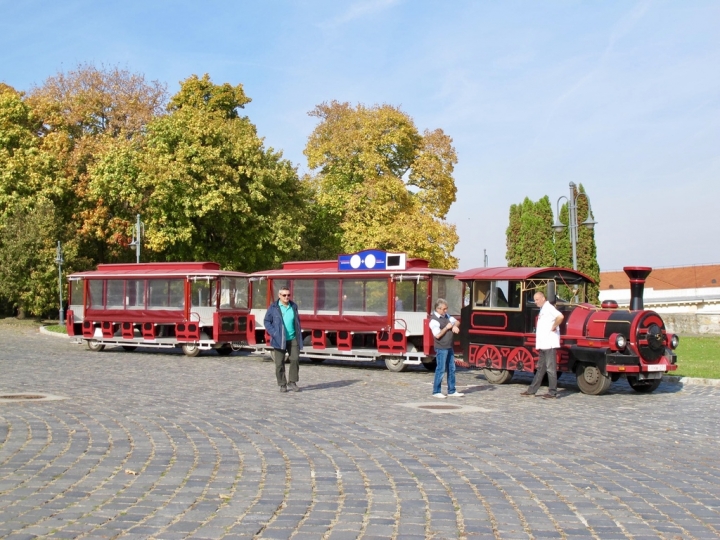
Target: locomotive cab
599, 345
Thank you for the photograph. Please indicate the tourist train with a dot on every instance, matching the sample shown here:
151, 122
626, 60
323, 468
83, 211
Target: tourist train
374, 306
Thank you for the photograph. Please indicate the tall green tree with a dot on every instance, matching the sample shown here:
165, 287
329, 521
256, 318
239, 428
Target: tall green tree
377, 182
206, 187
529, 238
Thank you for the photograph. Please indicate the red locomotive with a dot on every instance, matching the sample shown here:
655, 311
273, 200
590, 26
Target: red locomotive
599, 345
192, 305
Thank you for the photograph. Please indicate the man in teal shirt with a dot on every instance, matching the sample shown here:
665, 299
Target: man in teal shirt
282, 323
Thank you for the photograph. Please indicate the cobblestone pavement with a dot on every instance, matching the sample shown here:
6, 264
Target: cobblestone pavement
153, 444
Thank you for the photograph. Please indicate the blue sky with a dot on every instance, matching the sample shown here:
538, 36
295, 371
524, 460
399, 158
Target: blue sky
623, 97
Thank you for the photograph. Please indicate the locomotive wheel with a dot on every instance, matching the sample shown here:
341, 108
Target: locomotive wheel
225, 350
591, 380
521, 358
129, 348
498, 376
191, 349
94, 346
643, 387
430, 365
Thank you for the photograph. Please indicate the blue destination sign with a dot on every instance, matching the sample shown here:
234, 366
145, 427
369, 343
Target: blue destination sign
371, 259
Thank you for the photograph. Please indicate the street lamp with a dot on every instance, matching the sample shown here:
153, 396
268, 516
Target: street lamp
59, 261
138, 233
572, 219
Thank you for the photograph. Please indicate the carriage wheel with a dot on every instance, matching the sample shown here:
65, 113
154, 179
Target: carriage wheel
498, 376
521, 358
592, 381
129, 348
191, 349
644, 387
94, 345
395, 363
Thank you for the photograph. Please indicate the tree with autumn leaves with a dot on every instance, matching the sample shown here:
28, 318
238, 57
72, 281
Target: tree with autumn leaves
378, 182
83, 154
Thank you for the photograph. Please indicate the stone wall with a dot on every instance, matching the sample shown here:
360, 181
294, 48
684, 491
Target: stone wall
692, 323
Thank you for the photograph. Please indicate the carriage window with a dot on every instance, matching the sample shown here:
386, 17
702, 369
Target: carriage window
115, 294
303, 294
259, 294
202, 293
497, 294
376, 296
233, 293
135, 294
405, 293
353, 292
76, 292
450, 289
365, 296
95, 290
327, 296
278, 284
166, 293
481, 294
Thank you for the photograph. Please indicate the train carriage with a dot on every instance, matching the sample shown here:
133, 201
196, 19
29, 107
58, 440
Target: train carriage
599, 345
192, 305
365, 306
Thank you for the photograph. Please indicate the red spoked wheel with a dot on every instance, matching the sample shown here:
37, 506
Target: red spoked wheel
520, 359
490, 357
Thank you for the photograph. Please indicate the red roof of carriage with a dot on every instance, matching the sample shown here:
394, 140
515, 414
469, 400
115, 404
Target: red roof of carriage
522, 273
157, 270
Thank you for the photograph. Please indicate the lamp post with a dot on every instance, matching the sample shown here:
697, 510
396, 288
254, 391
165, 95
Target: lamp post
572, 219
59, 261
136, 238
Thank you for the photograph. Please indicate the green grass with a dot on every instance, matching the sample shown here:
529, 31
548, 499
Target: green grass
698, 357
56, 328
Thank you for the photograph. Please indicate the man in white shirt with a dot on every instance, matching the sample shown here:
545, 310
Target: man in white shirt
547, 340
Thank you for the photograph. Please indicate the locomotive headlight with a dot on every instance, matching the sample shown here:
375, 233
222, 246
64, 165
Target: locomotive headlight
620, 342
674, 342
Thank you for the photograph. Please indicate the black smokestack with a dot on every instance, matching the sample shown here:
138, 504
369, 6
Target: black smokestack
637, 275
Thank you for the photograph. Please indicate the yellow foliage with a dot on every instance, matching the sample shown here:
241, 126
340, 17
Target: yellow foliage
381, 183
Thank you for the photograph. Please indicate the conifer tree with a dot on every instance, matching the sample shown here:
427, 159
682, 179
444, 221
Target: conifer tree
529, 235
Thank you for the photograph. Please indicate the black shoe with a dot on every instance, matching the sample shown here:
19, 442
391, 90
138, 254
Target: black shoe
526, 394
283, 388
549, 396
293, 387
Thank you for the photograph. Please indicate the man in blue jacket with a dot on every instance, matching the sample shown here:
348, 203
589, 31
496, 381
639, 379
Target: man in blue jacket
283, 324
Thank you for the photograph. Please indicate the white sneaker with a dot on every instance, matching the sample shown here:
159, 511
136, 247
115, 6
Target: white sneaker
440, 395
456, 394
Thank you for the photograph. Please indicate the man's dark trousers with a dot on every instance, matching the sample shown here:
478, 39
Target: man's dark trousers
546, 363
279, 358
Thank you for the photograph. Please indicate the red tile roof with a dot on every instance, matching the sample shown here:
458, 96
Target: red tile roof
677, 277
